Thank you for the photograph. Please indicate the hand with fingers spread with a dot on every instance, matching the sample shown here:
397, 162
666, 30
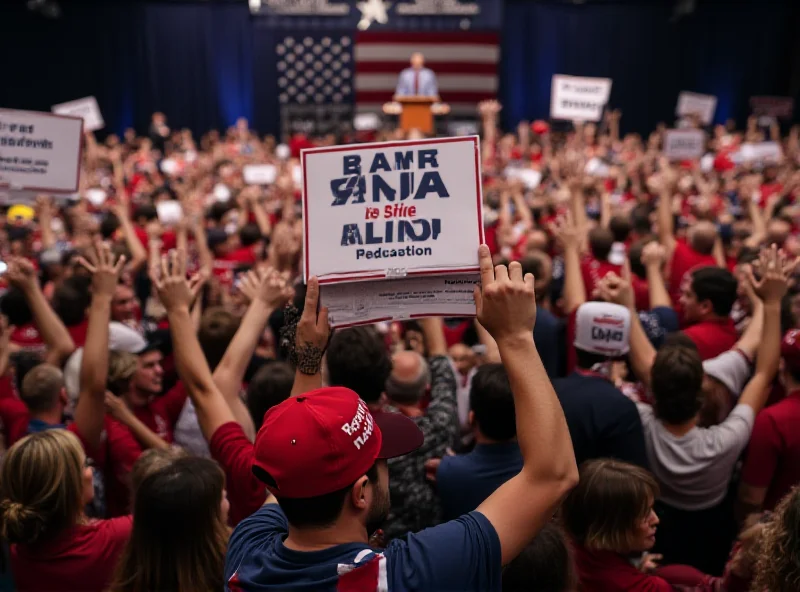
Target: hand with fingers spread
21, 274
105, 271
775, 270
248, 284
174, 290
313, 333
566, 231
274, 289
505, 301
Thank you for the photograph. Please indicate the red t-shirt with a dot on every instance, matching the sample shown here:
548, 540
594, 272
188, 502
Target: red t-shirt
161, 414
593, 270
713, 337
773, 456
605, 571
78, 332
82, 558
28, 337
685, 260
122, 450
234, 453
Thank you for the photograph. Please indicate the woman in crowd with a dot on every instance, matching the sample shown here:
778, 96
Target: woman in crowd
611, 520
545, 564
45, 483
180, 532
778, 566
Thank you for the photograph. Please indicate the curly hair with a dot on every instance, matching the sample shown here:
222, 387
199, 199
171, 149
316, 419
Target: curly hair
778, 566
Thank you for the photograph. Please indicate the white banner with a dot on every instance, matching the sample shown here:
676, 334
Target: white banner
578, 98
86, 108
684, 144
392, 209
763, 152
260, 174
703, 106
40, 151
372, 302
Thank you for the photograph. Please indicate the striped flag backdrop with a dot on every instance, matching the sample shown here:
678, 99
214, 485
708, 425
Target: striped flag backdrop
465, 64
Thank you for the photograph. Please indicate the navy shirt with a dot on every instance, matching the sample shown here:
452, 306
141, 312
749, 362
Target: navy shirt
461, 555
603, 423
464, 481
548, 333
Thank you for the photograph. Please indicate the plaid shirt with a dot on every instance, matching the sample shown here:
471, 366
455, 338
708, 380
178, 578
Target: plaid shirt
415, 504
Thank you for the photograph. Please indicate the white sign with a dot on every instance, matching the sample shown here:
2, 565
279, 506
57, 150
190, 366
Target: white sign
440, 7
529, 177
260, 174
86, 108
764, 152
371, 302
596, 168
40, 151
169, 212
578, 99
393, 209
366, 122
703, 106
684, 144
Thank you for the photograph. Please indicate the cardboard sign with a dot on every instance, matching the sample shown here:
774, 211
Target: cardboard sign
366, 122
684, 144
529, 177
87, 108
40, 151
392, 209
578, 99
780, 107
703, 106
260, 174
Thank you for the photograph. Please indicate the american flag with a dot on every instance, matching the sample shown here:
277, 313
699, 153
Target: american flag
465, 64
339, 69
315, 69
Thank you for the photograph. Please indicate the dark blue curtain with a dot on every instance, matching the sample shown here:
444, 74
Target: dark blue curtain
732, 50
206, 63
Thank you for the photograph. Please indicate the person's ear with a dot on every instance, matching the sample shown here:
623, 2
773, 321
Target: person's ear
471, 419
359, 494
706, 307
63, 397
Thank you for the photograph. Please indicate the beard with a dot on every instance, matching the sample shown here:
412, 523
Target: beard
379, 511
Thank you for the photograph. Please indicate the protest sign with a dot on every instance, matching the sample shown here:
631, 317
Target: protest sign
366, 122
761, 152
393, 209
578, 99
703, 106
684, 144
260, 174
529, 177
40, 151
780, 107
87, 109
169, 212
423, 296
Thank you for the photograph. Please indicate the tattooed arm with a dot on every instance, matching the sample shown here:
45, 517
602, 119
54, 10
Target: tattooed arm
310, 343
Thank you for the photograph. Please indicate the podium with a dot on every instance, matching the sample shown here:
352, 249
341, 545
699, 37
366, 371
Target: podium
417, 113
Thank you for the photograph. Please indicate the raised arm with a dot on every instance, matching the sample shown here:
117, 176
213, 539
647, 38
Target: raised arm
267, 292
90, 409
653, 257
60, 346
135, 247
506, 306
44, 211
751, 337
311, 338
666, 224
569, 237
775, 271
176, 294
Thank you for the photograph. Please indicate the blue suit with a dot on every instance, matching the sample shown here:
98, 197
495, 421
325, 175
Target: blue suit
427, 86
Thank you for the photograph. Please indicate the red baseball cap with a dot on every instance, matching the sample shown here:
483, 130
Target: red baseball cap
790, 350
324, 440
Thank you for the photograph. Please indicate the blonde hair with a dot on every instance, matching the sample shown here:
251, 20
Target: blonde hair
121, 368
778, 565
41, 486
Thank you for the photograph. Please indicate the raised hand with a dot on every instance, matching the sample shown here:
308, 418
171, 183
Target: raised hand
505, 302
21, 274
775, 269
566, 231
313, 333
105, 271
653, 253
174, 290
270, 285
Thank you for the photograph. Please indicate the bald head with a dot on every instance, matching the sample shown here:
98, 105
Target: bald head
702, 237
409, 378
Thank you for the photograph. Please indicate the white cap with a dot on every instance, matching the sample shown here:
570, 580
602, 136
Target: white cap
603, 328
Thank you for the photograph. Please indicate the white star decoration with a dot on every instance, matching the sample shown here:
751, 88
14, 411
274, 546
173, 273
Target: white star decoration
373, 10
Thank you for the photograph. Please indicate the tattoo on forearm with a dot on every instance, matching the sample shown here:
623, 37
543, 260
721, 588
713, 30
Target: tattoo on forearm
308, 358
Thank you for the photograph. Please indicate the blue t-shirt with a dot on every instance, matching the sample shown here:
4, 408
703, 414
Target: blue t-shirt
461, 555
466, 480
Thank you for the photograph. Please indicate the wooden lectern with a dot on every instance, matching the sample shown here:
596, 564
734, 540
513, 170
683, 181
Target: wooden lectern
417, 113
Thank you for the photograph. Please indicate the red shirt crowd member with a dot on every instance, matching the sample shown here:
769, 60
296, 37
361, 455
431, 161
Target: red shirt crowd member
707, 299
45, 483
610, 518
772, 464
158, 412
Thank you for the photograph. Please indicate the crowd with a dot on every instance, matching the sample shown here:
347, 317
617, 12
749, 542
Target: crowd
622, 414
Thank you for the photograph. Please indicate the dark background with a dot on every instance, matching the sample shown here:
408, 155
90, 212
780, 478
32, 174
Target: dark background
205, 63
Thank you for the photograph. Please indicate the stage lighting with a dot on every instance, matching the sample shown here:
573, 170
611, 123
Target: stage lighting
255, 6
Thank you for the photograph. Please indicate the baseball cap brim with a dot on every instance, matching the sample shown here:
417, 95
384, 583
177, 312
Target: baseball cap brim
400, 434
